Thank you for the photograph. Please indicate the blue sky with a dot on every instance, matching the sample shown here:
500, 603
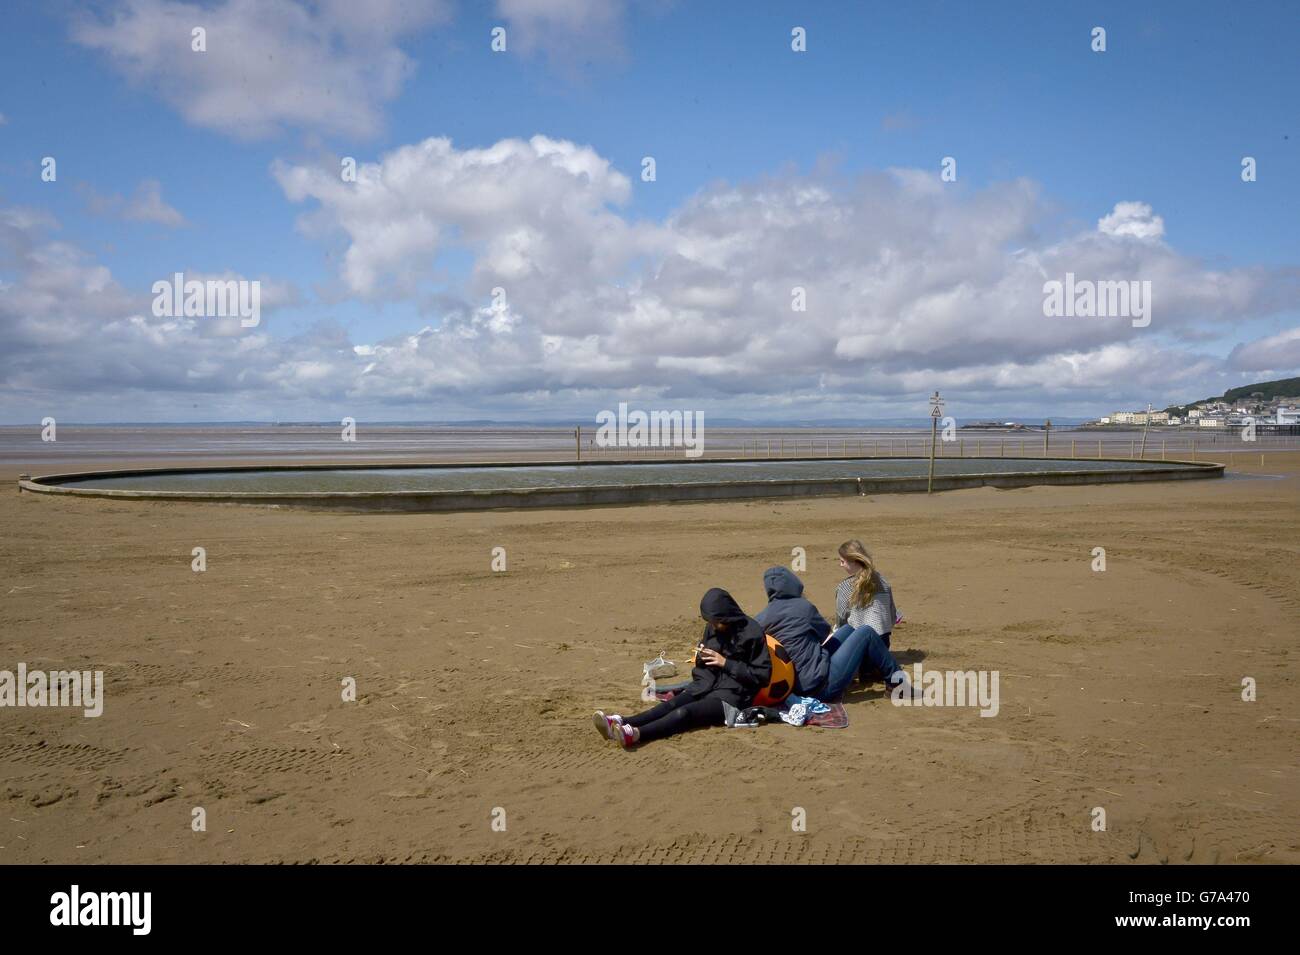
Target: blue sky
738, 124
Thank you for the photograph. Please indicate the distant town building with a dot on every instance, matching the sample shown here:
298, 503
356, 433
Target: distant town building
1279, 411
1138, 417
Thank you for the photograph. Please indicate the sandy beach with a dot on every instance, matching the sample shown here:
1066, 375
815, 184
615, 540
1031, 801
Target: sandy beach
1120, 690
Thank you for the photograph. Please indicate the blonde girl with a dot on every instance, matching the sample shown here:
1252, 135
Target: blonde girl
864, 616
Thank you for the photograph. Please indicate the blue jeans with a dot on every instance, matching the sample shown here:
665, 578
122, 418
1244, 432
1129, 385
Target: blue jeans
849, 648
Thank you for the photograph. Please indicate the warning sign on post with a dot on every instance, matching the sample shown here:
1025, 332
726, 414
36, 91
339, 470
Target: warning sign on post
936, 412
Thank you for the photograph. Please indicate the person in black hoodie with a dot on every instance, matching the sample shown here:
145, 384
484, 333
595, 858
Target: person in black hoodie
799, 627
731, 665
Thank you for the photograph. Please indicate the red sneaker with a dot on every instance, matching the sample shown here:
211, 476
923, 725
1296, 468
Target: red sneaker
606, 726
627, 736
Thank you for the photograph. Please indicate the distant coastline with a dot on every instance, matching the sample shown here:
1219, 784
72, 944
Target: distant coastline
854, 424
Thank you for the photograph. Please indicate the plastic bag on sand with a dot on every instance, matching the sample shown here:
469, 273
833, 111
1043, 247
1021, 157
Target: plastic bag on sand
659, 667
796, 715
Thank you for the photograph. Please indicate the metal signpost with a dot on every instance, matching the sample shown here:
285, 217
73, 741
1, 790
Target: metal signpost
936, 412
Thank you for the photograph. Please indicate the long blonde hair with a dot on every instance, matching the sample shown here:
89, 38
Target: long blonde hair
864, 581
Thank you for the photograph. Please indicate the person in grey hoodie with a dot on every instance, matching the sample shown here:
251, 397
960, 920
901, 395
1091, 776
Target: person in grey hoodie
796, 623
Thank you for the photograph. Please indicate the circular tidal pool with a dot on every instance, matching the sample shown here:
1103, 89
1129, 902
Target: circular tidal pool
516, 485
522, 477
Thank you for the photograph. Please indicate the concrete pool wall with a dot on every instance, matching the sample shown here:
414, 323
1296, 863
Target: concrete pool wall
1103, 471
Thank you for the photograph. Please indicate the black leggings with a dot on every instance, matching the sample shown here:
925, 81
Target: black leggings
683, 712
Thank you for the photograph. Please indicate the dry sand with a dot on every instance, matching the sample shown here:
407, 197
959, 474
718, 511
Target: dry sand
1119, 690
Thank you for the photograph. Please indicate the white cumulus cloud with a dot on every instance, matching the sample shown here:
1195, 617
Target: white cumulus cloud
1280, 352
145, 205
328, 65
907, 288
1132, 219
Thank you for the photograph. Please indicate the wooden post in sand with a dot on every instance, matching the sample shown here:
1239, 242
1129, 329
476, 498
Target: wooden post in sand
577, 441
1145, 428
1047, 435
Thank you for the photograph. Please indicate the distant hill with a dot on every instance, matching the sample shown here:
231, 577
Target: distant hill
1282, 388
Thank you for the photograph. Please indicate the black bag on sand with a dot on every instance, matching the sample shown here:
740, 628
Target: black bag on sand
750, 716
